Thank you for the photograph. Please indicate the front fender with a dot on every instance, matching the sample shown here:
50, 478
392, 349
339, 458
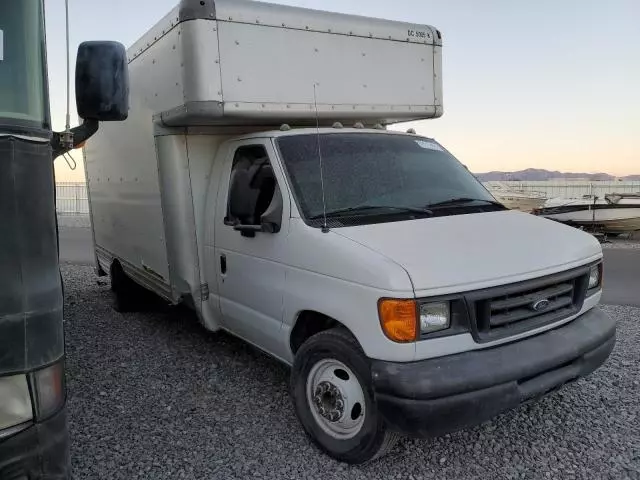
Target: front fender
351, 304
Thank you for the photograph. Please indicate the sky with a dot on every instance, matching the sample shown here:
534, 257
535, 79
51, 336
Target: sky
527, 84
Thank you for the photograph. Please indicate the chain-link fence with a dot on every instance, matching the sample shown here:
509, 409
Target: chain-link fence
72, 198
570, 189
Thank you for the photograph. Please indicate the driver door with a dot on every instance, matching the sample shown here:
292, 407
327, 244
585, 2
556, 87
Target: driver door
250, 263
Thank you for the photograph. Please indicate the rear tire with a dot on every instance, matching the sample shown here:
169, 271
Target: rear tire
334, 399
123, 288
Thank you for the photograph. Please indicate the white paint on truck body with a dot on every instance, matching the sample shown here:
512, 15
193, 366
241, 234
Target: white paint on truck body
257, 63
202, 89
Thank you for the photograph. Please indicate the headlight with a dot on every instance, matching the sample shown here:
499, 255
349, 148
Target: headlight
405, 320
15, 402
595, 276
434, 317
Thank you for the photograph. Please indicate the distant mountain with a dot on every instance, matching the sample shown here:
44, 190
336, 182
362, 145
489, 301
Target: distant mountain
536, 174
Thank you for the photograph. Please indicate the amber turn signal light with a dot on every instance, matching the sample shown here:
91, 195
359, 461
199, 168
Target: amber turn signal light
399, 319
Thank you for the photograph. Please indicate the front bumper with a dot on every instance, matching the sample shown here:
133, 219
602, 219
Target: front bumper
41, 452
436, 396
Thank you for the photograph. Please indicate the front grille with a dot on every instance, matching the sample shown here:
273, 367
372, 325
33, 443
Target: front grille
515, 308
504, 311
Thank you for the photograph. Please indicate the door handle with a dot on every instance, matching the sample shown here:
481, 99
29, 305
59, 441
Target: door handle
223, 264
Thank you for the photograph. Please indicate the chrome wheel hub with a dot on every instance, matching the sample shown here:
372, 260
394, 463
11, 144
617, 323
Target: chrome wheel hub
336, 399
328, 401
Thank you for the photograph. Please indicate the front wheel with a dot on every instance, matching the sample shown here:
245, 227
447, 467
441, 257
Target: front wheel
333, 397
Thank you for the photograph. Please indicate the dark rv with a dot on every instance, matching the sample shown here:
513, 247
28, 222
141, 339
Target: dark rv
33, 426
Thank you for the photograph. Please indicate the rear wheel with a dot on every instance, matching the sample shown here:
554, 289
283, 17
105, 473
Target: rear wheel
124, 289
333, 397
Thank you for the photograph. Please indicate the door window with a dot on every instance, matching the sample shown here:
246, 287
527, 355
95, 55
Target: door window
252, 186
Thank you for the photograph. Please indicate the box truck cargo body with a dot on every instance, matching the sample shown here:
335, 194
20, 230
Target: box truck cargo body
255, 181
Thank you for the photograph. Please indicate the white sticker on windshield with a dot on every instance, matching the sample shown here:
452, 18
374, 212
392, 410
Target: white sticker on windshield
1, 45
429, 145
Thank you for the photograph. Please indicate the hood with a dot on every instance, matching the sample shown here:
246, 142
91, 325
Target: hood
467, 252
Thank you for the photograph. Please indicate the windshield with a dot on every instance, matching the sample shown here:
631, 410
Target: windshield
399, 173
22, 65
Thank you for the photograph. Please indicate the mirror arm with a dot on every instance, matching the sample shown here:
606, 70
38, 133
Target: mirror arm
79, 135
248, 230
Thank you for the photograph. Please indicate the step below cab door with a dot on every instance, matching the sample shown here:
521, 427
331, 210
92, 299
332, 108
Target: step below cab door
252, 222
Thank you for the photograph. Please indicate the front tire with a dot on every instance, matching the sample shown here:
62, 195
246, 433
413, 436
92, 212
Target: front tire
334, 400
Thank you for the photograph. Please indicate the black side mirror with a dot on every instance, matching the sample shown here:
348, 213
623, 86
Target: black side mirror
242, 206
102, 81
241, 197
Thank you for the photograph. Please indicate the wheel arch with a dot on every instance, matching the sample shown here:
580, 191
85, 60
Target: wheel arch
311, 322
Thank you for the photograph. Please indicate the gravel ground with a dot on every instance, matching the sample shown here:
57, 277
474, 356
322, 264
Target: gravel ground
624, 241
155, 396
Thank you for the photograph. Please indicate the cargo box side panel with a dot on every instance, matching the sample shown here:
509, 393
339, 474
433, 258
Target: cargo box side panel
125, 198
122, 164
201, 62
122, 175
156, 71
184, 86
271, 71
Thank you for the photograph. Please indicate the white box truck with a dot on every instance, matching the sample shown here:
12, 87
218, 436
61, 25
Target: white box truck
255, 182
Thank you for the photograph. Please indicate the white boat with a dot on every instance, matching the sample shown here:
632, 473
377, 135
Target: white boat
615, 213
516, 199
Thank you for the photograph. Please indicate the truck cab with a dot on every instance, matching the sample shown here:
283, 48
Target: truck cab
276, 203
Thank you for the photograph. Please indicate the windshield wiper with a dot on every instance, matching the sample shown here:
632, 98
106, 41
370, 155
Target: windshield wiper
462, 201
364, 208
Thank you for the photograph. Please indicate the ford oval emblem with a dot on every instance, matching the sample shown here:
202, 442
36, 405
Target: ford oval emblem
540, 305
